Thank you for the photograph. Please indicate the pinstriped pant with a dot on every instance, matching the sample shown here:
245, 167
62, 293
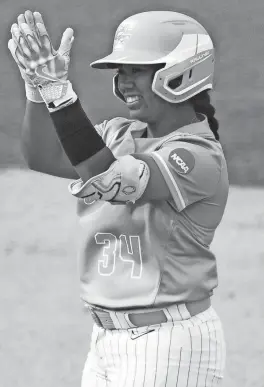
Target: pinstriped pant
183, 353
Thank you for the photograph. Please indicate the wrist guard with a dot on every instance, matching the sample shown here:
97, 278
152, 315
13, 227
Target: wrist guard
33, 94
57, 95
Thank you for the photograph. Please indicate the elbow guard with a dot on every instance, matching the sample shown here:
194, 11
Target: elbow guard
125, 181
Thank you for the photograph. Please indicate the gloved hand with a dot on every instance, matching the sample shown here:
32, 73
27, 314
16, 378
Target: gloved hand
44, 70
32, 91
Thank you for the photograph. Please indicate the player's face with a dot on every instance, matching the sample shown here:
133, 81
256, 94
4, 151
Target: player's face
134, 83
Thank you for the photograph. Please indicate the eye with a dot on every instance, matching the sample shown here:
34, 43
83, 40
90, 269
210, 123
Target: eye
133, 70
137, 70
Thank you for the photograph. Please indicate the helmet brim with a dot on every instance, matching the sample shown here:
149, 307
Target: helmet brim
117, 58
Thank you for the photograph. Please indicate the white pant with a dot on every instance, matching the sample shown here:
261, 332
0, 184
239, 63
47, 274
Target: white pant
186, 353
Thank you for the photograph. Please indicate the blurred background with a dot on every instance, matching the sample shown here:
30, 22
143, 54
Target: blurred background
236, 27
44, 333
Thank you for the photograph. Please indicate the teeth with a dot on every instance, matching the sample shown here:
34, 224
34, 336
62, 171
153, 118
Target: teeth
132, 99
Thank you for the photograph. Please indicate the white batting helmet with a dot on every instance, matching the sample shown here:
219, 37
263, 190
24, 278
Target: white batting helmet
173, 39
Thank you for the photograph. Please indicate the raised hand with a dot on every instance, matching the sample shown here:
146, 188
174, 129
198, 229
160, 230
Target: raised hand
33, 51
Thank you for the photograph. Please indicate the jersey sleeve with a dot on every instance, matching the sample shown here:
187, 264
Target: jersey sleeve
113, 130
191, 172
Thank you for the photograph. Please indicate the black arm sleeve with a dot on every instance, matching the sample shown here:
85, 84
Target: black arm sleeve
76, 133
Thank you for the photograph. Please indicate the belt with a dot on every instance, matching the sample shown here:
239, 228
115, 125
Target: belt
138, 318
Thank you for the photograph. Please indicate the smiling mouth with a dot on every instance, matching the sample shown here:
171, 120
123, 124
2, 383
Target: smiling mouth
131, 100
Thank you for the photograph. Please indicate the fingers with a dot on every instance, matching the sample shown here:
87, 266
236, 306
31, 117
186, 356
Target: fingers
18, 57
15, 31
42, 32
66, 41
45, 39
19, 39
37, 18
28, 24
24, 33
30, 38
31, 41
31, 19
21, 19
31, 31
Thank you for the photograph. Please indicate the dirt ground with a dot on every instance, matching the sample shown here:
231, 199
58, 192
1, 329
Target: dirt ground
44, 332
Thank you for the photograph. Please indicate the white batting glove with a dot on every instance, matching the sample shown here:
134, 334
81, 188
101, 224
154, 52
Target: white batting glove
42, 68
32, 91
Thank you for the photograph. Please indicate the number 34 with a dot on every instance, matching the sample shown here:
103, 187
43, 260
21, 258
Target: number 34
124, 248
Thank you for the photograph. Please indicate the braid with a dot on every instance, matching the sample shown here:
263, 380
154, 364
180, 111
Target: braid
202, 104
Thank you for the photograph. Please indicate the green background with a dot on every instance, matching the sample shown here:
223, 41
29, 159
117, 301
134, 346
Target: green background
236, 27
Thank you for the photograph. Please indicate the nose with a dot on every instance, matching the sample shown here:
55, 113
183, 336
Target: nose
125, 82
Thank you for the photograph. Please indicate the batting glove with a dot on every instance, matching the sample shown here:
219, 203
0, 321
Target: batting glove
32, 91
44, 70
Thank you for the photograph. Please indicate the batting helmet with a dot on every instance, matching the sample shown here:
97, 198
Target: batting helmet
174, 40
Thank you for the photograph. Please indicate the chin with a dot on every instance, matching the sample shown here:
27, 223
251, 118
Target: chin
137, 115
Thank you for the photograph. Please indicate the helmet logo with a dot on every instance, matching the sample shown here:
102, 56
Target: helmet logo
199, 57
182, 160
123, 33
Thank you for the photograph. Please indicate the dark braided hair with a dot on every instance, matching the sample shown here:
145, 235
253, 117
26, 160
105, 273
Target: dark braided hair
202, 104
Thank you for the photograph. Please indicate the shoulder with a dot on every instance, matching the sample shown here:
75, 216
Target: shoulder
192, 150
192, 170
114, 129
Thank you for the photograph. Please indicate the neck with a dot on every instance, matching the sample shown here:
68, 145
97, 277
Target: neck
173, 119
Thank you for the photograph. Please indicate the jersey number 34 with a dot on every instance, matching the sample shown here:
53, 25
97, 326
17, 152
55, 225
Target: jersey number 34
124, 248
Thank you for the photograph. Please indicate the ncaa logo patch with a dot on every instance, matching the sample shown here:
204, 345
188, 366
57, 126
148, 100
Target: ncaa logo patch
182, 160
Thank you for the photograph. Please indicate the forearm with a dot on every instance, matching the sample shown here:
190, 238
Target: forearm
40, 144
81, 142
95, 165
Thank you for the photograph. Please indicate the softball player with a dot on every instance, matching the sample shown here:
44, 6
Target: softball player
151, 192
